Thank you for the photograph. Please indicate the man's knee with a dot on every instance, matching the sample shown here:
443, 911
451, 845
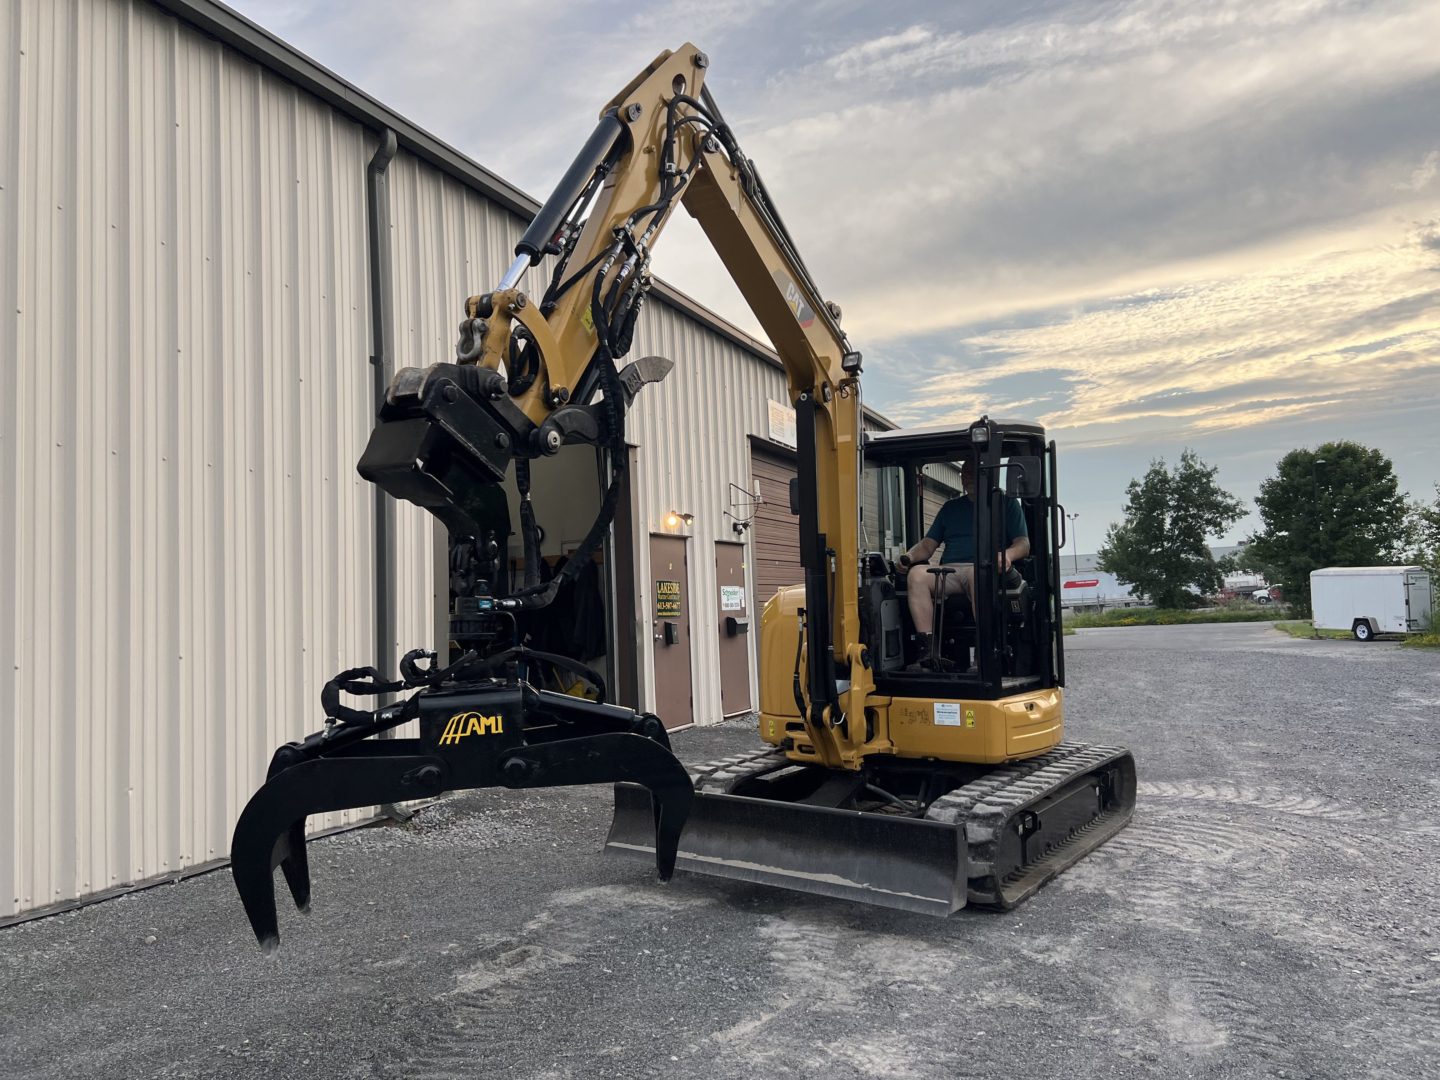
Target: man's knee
918, 578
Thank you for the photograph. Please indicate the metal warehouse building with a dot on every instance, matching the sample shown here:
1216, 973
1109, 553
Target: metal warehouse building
212, 252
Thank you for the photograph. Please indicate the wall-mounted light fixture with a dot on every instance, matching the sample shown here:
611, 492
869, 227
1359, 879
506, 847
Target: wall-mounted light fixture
674, 519
742, 508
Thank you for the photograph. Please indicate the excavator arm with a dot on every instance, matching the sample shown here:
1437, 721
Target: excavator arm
529, 377
543, 374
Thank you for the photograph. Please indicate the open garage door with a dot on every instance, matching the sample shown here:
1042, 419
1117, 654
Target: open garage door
777, 531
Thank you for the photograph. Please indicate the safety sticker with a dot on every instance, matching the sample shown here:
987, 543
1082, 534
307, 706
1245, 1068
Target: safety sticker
947, 713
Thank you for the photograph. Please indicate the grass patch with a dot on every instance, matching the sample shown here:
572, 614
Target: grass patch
1165, 617
1303, 629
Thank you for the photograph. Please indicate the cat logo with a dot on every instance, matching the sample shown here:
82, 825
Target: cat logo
471, 723
794, 299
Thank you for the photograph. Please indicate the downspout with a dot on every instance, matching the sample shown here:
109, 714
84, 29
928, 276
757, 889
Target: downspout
382, 370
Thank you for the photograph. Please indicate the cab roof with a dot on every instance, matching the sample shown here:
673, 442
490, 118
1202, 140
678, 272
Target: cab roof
948, 443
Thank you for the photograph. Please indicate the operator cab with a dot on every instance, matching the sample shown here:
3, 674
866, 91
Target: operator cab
1012, 643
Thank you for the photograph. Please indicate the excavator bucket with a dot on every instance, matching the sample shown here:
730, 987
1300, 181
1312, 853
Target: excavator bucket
878, 859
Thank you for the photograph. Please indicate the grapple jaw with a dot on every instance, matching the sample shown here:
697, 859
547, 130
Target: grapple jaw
483, 733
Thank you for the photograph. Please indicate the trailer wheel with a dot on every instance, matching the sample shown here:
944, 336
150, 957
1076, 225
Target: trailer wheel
1362, 630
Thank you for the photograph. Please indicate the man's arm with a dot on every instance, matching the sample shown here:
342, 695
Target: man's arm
921, 552
1018, 549
1016, 535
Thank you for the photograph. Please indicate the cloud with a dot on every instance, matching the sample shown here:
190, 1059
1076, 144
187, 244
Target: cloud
1427, 235
1312, 334
1032, 163
1423, 174
1142, 220
943, 163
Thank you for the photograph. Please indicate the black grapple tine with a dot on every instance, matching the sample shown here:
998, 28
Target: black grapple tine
672, 810
296, 866
599, 759
251, 864
271, 829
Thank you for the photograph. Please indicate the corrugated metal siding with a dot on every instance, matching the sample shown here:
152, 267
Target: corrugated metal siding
185, 389
189, 556
692, 433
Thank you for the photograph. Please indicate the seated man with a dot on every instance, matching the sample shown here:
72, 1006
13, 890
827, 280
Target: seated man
954, 526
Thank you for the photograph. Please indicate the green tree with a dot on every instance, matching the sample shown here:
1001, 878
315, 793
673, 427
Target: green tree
1425, 535
1339, 505
1160, 548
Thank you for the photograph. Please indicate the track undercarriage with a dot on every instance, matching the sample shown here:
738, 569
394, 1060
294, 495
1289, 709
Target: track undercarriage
916, 836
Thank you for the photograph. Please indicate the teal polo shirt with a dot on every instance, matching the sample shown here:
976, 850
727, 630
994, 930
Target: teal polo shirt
954, 526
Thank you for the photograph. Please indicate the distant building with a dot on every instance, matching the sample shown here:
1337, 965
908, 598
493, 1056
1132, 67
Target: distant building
1084, 587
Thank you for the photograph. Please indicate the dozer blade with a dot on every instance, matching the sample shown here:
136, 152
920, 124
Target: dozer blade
879, 859
991, 842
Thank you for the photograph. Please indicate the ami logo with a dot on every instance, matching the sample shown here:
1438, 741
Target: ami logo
471, 723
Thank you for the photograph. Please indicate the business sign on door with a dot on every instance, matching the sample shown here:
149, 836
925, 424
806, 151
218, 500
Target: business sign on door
667, 599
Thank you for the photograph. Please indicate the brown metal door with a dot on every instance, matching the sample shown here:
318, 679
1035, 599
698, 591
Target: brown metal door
735, 628
670, 629
777, 531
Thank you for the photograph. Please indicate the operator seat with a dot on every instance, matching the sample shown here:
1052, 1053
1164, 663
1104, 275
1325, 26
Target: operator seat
1016, 599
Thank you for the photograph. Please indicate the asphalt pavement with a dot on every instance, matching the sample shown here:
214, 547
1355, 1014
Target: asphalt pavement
1271, 912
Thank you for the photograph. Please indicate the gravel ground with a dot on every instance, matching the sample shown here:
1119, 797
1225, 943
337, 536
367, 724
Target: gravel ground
1271, 912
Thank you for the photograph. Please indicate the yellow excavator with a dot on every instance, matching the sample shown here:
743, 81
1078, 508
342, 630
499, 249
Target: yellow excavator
921, 771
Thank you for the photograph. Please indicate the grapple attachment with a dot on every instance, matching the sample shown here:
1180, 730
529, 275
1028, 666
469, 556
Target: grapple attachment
475, 732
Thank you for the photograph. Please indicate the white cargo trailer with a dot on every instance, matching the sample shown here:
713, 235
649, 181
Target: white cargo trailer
1370, 600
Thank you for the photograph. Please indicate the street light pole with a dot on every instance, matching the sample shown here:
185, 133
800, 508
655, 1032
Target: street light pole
1075, 539
1317, 538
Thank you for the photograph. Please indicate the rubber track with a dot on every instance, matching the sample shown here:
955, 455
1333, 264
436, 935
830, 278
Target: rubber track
986, 806
719, 777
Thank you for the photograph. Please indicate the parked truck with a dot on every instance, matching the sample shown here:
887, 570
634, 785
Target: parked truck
1371, 600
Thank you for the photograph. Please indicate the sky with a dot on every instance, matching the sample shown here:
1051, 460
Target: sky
1149, 225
